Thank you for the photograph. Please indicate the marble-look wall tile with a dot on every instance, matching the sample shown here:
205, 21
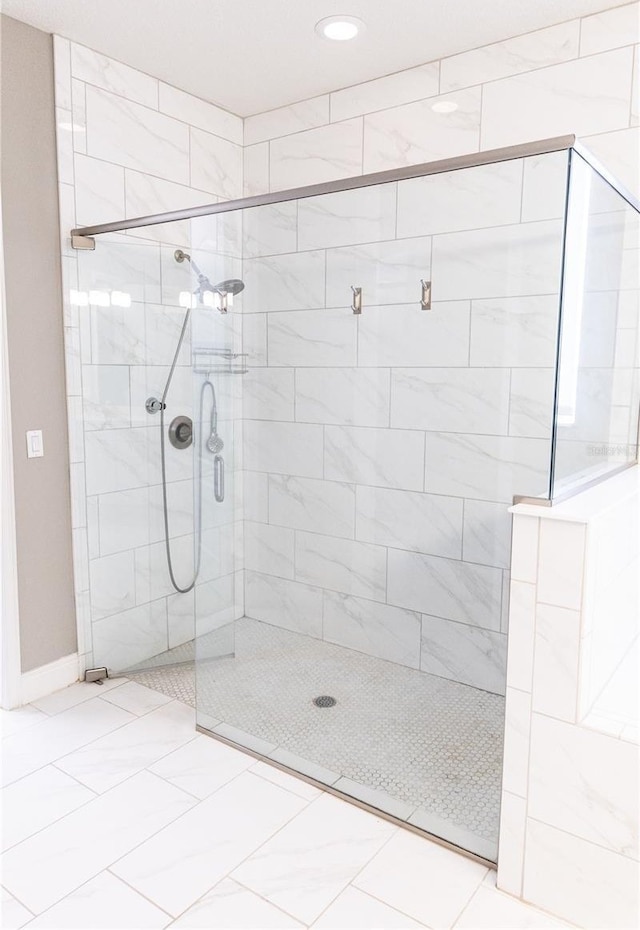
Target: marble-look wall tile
599, 888
127, 134
516, 332
427, 523
132, 636
416, 133
99, 191
365, 214
317, 155
254, 496
513, 817
635, 93
505, 261
610, 29
316, 506
619, 152
387, 272
342, 565
473, 656
557, 655
385, 458
491, 468
146, 194
254, 338
344, 396
62, 71
393, 90
561, 563
312, 338
106, 396
199, 113
270, 229
401, 336
488, 195
64, 145
116, 459
522, 620
284, 448
284, 282
487, 533
118, 335
588, 95
584, 783
283, 121
79, 111
216, 165
256, 169
446, 588
517, 727
375, 629
531, 402
287, 604
464, 400
269, 549
100, 71
113, 584
513, 56
267, 394
544, 188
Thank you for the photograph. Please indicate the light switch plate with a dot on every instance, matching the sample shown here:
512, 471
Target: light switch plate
35, 444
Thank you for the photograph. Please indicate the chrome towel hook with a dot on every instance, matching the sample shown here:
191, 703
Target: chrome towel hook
356, 303
425, 299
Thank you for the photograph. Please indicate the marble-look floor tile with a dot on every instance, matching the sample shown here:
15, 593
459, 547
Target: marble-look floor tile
233, 907
184, 860
14, 915
135, 698
449, 588
376, 629
427, 882
314, 857
103, 903
359, 911
489, 909
108, 761
48, 740
44, 868
202, 766
284, 780
12, 721
37, 800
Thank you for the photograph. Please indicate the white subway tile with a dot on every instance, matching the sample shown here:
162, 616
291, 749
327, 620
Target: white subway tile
317, 155
513, 816
446, 588
588, 95
307, 114
416, 133
524, 549
561, 565
522, 620
516, 742
557, 655
390, 91
513, 56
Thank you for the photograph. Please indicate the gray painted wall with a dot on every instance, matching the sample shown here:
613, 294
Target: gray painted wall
35, 336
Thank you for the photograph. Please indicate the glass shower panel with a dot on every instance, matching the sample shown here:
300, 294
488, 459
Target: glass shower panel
400, 345
598, 372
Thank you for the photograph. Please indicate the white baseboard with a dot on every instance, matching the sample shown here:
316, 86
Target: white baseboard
49, 678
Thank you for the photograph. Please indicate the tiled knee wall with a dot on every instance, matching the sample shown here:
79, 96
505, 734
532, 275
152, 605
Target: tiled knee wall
569, 821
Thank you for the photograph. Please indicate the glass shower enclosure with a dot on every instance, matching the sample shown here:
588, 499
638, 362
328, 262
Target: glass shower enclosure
305, 418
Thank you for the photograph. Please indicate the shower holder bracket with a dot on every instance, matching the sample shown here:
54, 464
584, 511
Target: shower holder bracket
83, 243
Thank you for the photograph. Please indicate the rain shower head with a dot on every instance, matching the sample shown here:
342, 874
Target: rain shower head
227, 288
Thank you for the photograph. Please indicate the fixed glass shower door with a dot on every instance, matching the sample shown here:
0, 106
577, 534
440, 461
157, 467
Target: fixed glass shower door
400, 346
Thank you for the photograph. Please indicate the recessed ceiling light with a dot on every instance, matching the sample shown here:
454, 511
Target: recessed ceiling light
339, 28
444, 106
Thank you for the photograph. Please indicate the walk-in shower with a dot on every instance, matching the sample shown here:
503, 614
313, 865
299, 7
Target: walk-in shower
402, 355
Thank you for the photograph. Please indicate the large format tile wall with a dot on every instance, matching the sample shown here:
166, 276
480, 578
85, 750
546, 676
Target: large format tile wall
578, 77
129, 145
382, 451
569, 820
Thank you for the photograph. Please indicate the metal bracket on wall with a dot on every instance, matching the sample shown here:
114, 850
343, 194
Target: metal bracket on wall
83, 242
425, 299
356, 303
98, 675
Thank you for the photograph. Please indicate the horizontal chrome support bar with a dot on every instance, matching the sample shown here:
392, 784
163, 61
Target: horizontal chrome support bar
472, 160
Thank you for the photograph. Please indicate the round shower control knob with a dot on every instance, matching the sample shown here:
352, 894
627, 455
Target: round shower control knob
181, 432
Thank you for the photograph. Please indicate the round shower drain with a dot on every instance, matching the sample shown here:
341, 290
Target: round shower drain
324, 701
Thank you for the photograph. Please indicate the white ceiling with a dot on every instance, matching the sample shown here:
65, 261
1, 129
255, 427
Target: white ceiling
254, 55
